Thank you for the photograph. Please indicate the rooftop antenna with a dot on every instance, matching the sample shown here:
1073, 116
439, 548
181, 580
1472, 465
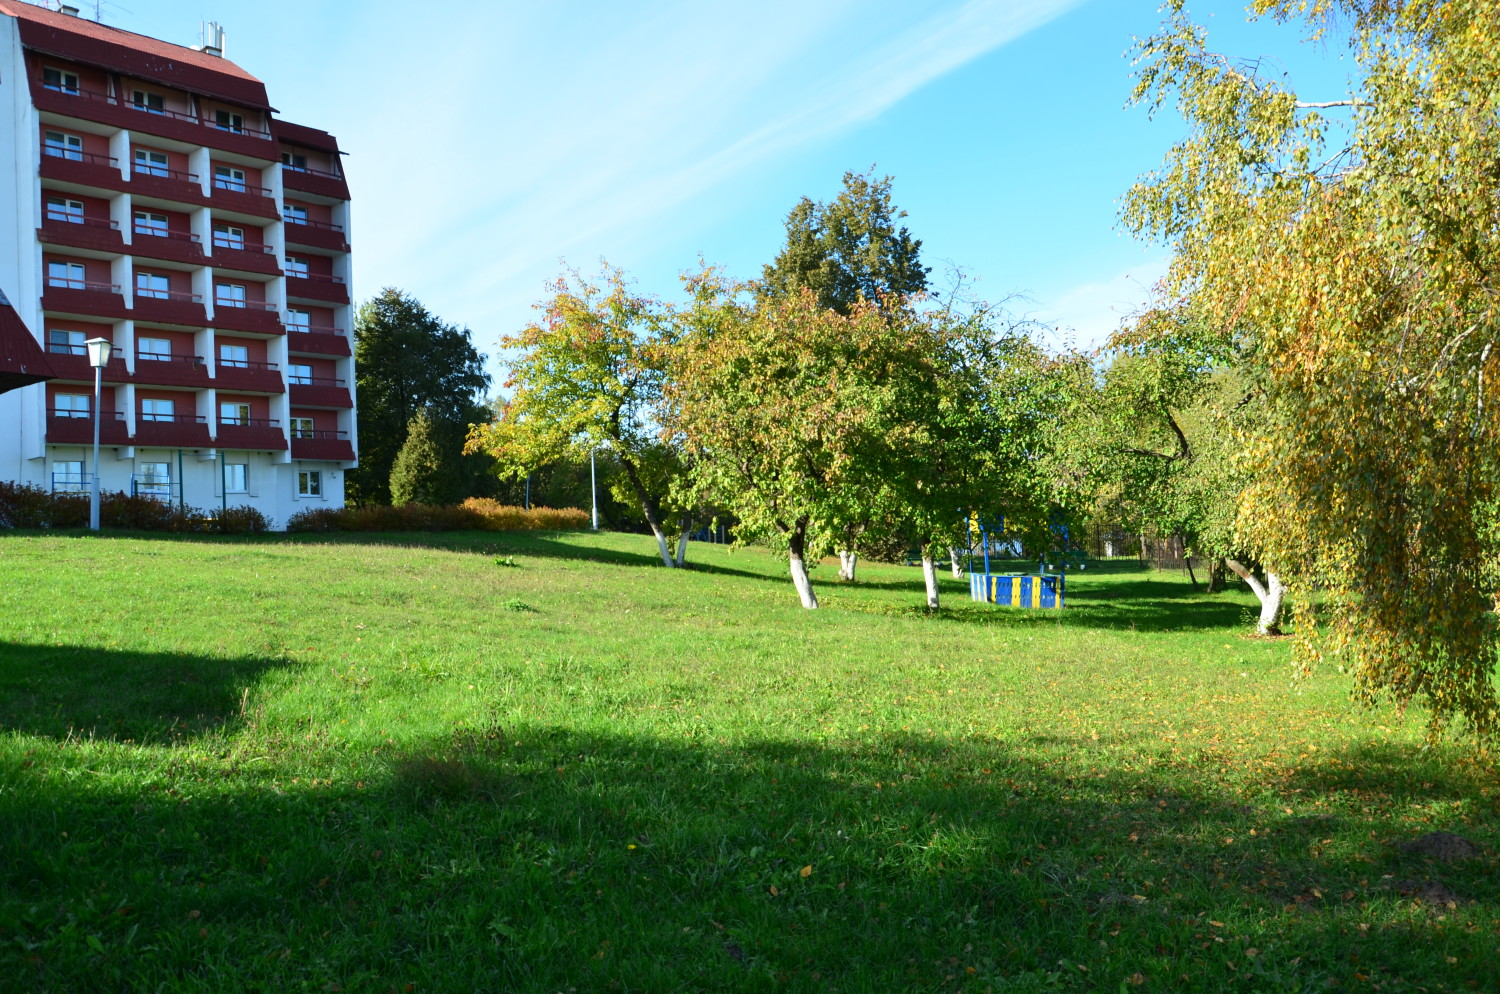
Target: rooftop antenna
212, 35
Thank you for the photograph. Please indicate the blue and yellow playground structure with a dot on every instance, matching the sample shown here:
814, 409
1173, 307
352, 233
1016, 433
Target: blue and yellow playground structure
1044, 590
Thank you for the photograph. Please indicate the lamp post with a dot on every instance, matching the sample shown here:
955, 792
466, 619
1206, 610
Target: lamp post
99, 350
594, 489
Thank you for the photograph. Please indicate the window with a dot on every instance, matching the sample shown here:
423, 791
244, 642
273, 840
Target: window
292, 214
60, 80
294, 161
296, 265
228, 236
153, 285
154, 349
154, 478
158, 410
234, 413
234, 355
236, 478
63, 145
66, 342
151, 223
229, 295
303, 428
309, 483
229, 178
68, 274
150, 163
67, 476
229, 121
65, 209
71, 405
151, 103
299, 373
298, 320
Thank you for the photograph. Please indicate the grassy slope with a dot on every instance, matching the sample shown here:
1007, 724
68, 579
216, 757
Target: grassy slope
352, 764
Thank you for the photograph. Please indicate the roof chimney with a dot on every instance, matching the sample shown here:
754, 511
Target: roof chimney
68, 9
213, 39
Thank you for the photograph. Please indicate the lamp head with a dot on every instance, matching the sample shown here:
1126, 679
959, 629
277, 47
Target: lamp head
99, 350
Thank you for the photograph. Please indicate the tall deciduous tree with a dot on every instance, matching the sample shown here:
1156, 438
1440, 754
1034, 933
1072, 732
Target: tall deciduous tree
849, 249
407, 360
1351, 243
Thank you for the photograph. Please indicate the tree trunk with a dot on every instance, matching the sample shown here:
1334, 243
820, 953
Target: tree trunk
1192, 577
958, 570
648, 508
848, 562
1270, 594
682, 540
1216, 578
929, 577
798, 548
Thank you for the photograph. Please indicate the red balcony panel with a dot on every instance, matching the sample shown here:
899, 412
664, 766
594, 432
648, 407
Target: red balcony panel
323, 236
253, 200
183, 309
98, 300
172, 371
95, 233
85, 169
89, 105
250, 259
315, 181
331, 445
258, 319
93, 106
265, 436
259, 377
168, 184
184, 431
80, 431
175, 246
328, 289
321, 393
318, 342
67, 366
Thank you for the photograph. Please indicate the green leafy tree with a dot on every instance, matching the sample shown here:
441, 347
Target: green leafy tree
1348, 240
848, 250
428, 469
407, 360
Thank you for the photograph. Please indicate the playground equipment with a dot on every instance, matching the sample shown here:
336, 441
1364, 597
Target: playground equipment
1047, 589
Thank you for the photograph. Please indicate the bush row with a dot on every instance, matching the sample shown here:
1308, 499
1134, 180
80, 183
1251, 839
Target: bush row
26, 506
474, 514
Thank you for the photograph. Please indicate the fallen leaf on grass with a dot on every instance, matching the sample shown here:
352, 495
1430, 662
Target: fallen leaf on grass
807, 871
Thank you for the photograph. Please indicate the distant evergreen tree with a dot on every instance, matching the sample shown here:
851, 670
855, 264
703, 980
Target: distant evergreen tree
429, 467
849, 249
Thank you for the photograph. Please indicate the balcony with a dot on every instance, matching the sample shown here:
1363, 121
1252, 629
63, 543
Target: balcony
252, 433
172, 431
315, 181
318, 341
255, 377
71, 362
254, 316
244, 198
315, 234
167, 184
170, 246
314, 286
84, 297
176, 307
318, 391
171, 370
83, 168
331, 445
68, 428
92, 105
245, 257
98, 234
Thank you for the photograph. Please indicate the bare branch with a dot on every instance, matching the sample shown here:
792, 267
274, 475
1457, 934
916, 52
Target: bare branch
1320, 105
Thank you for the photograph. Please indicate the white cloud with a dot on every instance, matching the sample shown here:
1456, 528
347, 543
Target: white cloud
1087, 314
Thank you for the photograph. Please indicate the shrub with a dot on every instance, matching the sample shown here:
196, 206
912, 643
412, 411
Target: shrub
141, 513
506, 517
474, 514
316, 519
241, 520
26, 506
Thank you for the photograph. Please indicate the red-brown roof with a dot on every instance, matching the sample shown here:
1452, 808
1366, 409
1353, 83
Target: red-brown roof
301, 134
78, 38
22, 361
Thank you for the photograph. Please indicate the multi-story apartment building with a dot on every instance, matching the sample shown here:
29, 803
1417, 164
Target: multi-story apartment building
153, 199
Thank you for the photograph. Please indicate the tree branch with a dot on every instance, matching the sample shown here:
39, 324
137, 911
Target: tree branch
1319, 105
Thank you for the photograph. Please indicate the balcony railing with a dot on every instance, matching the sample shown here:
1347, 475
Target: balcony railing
83, 220
68, 428
182, 296
322, 444
309, 223
91, 286
249, 305
240, 186
170, 307
264, 434
165, 243
240, 245
319, 391
162, 172
246, 364
310, 171
126, 113
319, 341
83, 231
151, 231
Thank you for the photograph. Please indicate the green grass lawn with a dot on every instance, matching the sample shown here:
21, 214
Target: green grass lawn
392, 763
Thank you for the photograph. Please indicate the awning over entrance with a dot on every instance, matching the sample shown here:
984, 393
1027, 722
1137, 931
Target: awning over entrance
22, 361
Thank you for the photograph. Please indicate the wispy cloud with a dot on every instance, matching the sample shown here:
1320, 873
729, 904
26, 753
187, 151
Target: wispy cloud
1087, 314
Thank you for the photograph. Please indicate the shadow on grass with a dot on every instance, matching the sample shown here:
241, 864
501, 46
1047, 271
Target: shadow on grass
537, 858
63, 692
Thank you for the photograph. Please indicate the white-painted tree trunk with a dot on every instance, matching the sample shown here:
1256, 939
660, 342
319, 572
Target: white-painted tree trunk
682, 541
802, 583
1270, 594
848, 563
929, 577
662, 546
958, 569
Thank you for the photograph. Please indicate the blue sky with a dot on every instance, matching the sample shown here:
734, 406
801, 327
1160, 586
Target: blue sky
490, 141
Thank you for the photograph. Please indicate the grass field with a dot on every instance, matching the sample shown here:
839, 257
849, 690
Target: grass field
358, 764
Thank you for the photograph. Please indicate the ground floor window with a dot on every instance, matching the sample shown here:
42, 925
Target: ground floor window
67, 476
309, 483
154, 479
236, 478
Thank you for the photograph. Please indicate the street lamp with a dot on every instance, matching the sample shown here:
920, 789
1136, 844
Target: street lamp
594, 489
99, 350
